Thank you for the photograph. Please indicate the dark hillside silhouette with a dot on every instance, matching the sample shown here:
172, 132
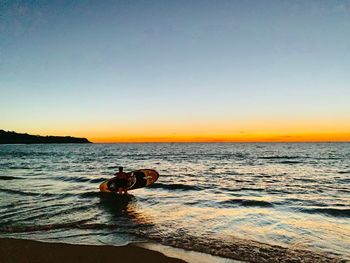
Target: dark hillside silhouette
10, 137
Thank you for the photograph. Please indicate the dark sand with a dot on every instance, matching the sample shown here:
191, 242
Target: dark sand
18, 250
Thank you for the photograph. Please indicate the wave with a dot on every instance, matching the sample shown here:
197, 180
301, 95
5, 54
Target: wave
251, 189
243, 250
54, 195
336, 212
34, 228
182, 187
82, 224
10, 178
247, 202
80, 179
234, 248
344, 172
22, 193
305, 180
97, 180
230, 189
71, 179
290, 162
344, 181
18, 192
282, 157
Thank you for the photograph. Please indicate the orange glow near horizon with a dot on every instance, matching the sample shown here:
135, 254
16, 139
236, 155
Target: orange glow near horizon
226, 131
320, 137
200, 131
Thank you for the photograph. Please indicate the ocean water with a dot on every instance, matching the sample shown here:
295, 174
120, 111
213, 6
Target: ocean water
252, 201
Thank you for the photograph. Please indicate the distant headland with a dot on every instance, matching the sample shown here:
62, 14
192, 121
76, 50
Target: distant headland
11, 137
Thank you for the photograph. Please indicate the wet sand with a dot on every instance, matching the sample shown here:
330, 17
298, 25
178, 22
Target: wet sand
19, 250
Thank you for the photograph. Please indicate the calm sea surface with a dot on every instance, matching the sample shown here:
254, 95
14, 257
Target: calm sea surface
226, 199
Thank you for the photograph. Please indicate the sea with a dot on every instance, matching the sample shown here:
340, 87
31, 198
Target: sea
257, 202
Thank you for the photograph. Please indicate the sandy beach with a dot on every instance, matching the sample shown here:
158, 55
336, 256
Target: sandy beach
18, 250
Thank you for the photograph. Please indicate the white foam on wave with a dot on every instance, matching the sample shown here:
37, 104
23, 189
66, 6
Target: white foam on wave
186, 255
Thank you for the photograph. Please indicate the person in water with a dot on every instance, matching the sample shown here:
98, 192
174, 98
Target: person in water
122, 181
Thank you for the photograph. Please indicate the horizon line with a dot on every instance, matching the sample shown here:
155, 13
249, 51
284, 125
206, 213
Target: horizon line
137, 142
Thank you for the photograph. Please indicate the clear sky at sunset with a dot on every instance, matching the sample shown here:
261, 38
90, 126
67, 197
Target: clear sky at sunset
126, 71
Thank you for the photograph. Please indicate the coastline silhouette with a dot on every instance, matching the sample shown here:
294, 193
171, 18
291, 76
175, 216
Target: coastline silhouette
11, 137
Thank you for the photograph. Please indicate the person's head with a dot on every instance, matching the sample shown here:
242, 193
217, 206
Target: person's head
120, 168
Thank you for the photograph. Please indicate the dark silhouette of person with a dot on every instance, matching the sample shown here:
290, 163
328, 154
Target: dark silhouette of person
122, 181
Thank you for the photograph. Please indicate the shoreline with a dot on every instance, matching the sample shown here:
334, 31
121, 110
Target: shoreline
23, 250
15, 250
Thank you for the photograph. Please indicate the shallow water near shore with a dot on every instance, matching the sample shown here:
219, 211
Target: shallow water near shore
226, 199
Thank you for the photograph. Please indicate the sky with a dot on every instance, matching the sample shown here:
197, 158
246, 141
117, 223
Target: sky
143, 71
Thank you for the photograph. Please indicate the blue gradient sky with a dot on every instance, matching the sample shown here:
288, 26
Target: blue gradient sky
158, 69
